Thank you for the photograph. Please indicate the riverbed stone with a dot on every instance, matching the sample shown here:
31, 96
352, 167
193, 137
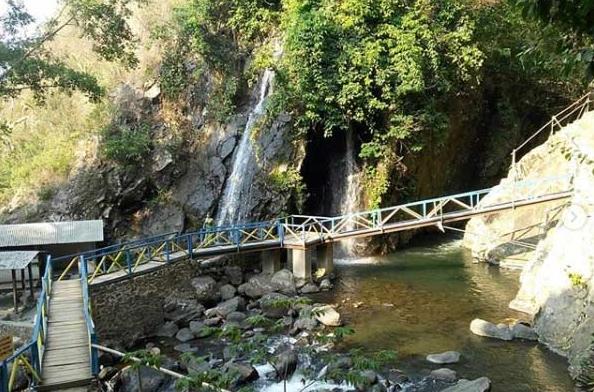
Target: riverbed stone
206, 289
309, 288
325, 284
284, 282
327, 315
444, 374
185, 348
234, 274
167, 330
286, 363
227, 292
236, 317
482, 384
488, 329
444, 358
257, 286
184, 335
274, 305
521, 331
152, 379
244, 372
226, 307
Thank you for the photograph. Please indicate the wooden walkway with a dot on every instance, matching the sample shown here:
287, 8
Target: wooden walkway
66, 361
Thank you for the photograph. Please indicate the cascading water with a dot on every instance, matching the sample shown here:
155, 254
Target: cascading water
350, 201
238, 186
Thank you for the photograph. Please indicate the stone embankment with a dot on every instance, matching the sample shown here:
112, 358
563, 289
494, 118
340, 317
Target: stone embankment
557, 281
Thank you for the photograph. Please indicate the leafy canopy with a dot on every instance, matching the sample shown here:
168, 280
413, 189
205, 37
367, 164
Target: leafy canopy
25, 64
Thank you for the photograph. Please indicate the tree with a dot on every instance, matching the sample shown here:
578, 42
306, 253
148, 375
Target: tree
574, 18
25, 63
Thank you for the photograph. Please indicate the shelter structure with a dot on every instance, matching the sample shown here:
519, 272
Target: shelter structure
20, 261
55, 238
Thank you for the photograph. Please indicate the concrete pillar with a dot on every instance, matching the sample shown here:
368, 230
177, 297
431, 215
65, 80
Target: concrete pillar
301, 259
271, 261
326, 257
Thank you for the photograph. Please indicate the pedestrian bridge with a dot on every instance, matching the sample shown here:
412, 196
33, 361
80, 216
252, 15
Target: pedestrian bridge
62, 353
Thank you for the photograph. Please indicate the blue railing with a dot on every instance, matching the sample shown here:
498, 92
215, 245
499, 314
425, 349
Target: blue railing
93, 354
31, 353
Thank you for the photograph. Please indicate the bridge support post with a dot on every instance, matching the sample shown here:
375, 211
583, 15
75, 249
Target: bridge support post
271, 261
301, 259
326, 257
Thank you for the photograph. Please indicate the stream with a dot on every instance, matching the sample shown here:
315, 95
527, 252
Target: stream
421, 300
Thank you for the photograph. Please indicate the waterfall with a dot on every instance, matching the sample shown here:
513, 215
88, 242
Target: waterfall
351, 191
232, 207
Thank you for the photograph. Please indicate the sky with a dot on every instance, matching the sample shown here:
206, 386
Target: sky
41, 10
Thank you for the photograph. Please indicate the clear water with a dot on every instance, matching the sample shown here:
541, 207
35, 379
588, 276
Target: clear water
422, 300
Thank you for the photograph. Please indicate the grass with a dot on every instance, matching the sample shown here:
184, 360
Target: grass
47, 140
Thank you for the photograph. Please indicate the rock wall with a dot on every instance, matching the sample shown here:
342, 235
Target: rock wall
126, 310
557, 282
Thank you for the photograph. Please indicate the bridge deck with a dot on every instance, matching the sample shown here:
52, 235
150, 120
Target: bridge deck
66, 361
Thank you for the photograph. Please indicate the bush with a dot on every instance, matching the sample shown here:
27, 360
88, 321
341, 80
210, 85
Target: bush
127, 144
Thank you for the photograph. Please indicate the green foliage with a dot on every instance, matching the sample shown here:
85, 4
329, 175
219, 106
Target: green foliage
231, 332
142, 358
573, 22
286, 179
125, 144
377, 66
361, 362
210, 380
27, 64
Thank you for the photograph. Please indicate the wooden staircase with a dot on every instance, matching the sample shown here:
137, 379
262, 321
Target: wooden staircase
66, 361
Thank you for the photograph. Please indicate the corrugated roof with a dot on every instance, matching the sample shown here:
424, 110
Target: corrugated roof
51, 233
16, 259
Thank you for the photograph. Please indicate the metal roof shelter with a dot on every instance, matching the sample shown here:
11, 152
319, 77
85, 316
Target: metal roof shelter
49, 233
18, 260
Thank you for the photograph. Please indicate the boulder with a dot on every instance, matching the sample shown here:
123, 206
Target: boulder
184, 335
444, 358
257, 286
368, 378
226, 307
152, 379
206, 289
234, 274
242, 372
285, 364
444, 374
167, 330
284, 282
327, 315
274, 305
236, 317
305, 324
107, 373
185, 348
325, 284
183, 315
227, 292
309, 288
521, 331
482, 384
487, 329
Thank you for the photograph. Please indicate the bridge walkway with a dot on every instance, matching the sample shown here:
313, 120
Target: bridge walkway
66, 361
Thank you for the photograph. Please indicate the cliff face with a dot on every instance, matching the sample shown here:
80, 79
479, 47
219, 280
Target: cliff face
557, 281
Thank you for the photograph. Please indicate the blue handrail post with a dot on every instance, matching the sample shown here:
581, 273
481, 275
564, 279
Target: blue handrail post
94, 355
4, 377
167, 251
35, 359
190, 247
129, 262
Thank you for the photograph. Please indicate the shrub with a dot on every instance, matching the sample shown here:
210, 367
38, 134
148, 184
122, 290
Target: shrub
127, 144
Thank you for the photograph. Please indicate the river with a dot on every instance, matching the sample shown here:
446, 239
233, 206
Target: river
421, 300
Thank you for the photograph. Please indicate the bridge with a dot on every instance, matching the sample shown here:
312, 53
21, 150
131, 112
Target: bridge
62, 352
